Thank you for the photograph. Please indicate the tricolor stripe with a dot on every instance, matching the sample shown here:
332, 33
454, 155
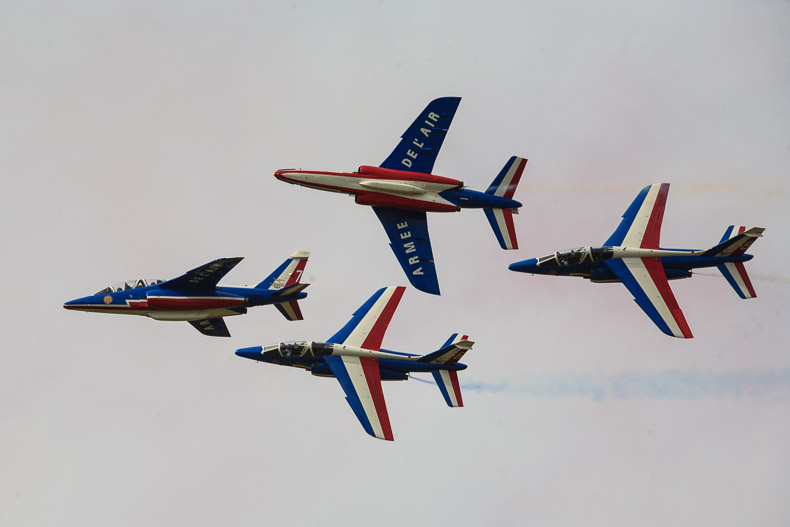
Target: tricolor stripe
361, 382
646, 280
369, 331
645, 228
736, 275
290, 310
449, 386
504, 185
501, 221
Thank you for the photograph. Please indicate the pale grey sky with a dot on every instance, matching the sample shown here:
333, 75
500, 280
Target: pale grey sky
138, 139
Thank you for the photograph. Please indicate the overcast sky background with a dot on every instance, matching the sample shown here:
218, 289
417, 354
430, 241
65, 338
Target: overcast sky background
138, 139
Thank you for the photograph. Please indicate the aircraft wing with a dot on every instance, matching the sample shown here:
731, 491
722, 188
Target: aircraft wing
646, 280
408, 234
420, 143
369, 323
361, 380
213, 327
641, 224
204, 277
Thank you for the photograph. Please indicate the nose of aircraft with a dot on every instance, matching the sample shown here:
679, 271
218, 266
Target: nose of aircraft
77, 303
525, 266
253, 353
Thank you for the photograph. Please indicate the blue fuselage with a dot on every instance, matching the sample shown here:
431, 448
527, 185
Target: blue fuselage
472, 199
588, 263
310, 356
169, 304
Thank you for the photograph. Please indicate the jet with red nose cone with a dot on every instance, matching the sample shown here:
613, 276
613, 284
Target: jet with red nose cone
402, 190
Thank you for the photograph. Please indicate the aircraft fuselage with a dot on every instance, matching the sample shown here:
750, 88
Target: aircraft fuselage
586, 262
167, 304
398, 189
309, 356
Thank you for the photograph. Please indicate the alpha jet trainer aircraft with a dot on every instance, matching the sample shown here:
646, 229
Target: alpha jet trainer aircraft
403, 189
632, 256
354, 357
196, 298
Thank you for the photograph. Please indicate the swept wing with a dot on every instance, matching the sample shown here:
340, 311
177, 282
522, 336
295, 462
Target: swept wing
420, 143
646, 280
360, 377
361, 381
641, 224
409, 240
201, 278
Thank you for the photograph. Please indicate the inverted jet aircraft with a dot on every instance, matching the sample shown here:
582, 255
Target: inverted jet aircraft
196, 298
403, 189
632, 256
355, 358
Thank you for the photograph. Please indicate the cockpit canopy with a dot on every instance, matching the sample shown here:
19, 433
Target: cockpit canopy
130, 284
576, 256
302, 348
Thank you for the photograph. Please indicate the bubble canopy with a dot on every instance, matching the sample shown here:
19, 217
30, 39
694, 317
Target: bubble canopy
298, 349
129, 284
576, 256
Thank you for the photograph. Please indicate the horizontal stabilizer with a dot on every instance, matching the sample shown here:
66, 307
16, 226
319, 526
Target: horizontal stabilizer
447, 381
213, 327
290, 310
501, 221
291, 289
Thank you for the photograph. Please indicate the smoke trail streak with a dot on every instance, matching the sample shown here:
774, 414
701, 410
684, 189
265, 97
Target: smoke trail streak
667, 384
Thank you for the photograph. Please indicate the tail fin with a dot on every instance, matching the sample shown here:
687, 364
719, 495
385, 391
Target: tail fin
451, 351
289, 272
447, 380
504, 185
735, 242
286, 278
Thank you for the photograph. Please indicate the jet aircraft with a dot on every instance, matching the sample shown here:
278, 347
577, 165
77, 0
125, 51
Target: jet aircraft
196, 298
632, 256
355, 358
402, 189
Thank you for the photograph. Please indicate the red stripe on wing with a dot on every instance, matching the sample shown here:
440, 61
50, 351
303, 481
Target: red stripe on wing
659, 277
653, 229
376, 334
373, 377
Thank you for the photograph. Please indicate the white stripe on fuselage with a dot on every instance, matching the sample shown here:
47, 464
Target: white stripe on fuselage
416, 190
638, 252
